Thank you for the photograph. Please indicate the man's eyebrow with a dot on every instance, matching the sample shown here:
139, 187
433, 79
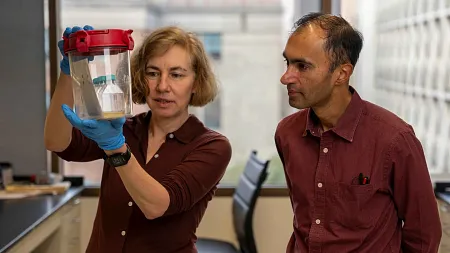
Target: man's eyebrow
175, 68
297, 60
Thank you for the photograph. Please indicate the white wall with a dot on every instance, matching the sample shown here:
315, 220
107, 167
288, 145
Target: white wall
365, 69
120, 18
204, 22
23, 93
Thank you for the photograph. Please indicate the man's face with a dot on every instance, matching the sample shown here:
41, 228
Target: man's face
307, 77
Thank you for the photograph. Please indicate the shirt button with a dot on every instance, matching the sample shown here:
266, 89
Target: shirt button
317, 221
123, 233
156, 156
319, 185
170, 136
130, 203
325, 150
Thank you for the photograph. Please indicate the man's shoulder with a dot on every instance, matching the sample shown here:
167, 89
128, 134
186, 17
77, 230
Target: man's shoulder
381, 119
295, 121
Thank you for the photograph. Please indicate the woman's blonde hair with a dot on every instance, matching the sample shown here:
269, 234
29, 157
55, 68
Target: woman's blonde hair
156, 44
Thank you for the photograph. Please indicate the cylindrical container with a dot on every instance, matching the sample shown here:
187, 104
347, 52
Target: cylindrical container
6, 174
100, 68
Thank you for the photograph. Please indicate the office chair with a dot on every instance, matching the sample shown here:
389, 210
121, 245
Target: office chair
244, 201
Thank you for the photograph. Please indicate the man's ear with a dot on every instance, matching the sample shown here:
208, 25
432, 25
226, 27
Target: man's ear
344, 73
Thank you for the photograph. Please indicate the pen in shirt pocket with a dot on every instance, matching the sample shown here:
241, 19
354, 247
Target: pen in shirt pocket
363, 180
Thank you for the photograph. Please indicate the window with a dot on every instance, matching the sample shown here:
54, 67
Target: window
213, 114
213, 44
247, 62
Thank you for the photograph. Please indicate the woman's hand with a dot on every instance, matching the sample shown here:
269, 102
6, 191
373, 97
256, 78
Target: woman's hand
64, 64
108, 134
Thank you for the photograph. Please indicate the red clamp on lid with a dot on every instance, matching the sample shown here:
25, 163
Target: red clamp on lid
85, 41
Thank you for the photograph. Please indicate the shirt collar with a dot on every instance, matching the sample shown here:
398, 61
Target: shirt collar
192, 128
312, 123
346, 125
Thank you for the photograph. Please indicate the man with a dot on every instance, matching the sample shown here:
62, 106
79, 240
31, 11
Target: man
356, 173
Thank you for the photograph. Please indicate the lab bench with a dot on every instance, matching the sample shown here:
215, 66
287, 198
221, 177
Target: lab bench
46, 223
444, 213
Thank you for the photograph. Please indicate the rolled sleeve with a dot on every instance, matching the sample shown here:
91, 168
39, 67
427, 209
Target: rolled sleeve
197, 175
81, 149
414, 196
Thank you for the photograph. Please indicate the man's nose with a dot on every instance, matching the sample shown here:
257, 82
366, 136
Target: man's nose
287, 77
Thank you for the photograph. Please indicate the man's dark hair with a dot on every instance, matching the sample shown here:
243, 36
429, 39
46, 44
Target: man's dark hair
342, 41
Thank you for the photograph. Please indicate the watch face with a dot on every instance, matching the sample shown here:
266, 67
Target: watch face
117, 160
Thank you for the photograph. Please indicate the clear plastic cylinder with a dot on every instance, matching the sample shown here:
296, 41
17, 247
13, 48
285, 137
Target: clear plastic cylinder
101, 83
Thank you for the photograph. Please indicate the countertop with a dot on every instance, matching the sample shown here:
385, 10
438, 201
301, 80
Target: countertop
20, 216
444, 196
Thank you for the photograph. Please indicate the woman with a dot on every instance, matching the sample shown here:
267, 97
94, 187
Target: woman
168, 164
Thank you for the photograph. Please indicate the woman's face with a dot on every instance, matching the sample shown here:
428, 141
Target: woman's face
171, 82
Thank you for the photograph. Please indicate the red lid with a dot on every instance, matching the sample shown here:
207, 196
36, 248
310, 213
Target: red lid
85, 41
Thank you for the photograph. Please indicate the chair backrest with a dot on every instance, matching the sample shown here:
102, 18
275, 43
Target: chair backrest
244, 201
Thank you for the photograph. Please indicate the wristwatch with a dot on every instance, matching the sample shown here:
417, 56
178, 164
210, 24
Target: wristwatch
119, 159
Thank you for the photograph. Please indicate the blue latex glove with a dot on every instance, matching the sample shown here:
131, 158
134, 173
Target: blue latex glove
108, 134
64, 64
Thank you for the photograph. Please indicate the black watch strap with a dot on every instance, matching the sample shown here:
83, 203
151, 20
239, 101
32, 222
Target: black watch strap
119, 159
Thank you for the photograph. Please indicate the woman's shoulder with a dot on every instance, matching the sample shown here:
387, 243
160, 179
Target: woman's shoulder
200, 132
213, 135
212, 145
212, 139
139, 118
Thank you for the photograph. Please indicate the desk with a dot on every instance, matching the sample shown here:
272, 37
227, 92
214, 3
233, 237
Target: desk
27, 224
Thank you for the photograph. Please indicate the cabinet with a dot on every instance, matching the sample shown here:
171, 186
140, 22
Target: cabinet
58, 233
70, 228
444, 213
